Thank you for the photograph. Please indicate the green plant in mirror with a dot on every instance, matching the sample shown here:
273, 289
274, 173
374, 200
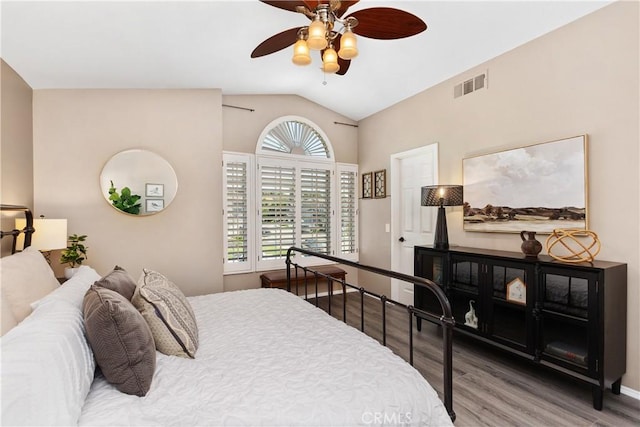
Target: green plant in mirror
125, 201
76, 251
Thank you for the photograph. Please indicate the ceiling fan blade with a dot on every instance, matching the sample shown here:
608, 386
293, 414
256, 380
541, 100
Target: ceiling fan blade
345, 4
387, 23
344, 66
276, 42
286, 5
312, 4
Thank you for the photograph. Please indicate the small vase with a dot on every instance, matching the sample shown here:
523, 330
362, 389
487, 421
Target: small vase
530, 246
69, 272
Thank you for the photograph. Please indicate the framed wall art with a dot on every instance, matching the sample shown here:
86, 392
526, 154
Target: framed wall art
380, 184
154, 190
537, 188
154, 205
367, 185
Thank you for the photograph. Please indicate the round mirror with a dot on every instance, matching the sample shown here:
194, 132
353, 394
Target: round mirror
138, 182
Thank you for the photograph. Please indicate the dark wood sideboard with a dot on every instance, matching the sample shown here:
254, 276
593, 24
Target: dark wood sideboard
571, 318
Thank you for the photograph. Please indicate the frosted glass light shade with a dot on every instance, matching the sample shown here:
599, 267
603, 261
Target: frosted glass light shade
301, 53
330, 61
317, 35
50, 234
348, 46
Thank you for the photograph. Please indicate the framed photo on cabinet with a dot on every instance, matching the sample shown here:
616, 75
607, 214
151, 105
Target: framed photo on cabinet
517, 291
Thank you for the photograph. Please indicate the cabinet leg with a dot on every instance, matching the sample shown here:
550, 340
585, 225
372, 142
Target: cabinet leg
597, 392
419, 323
615, 387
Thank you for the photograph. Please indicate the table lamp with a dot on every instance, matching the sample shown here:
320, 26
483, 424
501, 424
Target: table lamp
442, 195
49, 234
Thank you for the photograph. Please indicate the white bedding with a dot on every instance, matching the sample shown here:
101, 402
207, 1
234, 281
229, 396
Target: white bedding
267, 357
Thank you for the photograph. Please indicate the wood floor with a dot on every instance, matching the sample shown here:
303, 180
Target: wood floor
491, 388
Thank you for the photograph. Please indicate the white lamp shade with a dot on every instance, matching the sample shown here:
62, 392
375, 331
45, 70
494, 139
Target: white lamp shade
50, 234
301, 53
330, 61
317, 35
348, 46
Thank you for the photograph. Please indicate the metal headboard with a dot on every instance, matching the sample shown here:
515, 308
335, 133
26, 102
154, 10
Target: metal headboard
28, 230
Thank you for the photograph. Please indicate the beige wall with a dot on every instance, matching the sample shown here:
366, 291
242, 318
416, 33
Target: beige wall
16, 148
77, 131
242, 128
582, 78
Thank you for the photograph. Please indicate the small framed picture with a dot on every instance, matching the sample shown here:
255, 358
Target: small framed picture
380, 184
517, 291
154, 190
154, 205
367, 185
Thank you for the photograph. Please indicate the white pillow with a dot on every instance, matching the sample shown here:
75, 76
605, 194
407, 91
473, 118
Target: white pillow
47, 367
73, 290
26, 277
7, 321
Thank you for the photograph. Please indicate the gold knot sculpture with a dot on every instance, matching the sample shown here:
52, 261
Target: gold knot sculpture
571, 240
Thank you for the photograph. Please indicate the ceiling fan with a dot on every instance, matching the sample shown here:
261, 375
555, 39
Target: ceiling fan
382, 23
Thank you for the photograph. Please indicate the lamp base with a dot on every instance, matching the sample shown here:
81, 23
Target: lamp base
441, 239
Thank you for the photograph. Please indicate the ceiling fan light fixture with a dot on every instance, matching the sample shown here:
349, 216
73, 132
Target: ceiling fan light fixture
380, 23
330, 61
317, 39
301, 54
348, 45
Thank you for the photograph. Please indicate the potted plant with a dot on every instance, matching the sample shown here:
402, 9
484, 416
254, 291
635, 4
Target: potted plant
125, 201
74, 254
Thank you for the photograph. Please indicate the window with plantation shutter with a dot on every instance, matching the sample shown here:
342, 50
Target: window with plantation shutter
238, 238
291, 193
278, 216
315, 210
348, 211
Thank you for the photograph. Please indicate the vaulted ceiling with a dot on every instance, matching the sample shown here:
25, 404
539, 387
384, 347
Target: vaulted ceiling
207, 44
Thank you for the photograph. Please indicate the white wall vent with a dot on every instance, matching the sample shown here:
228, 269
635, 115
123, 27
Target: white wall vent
471, 85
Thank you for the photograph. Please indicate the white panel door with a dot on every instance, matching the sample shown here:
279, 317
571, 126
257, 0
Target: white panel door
411, 224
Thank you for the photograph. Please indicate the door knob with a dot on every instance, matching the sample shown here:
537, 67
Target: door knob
401, 239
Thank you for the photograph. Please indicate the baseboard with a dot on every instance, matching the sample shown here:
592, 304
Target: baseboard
628, 391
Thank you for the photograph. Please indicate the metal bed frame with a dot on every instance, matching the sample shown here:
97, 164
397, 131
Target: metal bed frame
446, 321
28, 230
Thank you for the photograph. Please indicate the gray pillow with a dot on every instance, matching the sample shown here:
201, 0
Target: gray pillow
121, 340
120, 281
168, 313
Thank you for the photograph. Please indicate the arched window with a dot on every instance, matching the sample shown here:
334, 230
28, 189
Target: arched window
302, 198
293, 136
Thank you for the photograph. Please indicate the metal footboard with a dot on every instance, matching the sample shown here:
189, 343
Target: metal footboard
446, 320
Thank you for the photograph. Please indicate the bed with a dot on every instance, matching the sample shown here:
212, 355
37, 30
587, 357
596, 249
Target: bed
285, 363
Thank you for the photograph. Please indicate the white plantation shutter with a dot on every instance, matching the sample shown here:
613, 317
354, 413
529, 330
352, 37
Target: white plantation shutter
237, 220
278, 217
297, 195
348, 211
316, 215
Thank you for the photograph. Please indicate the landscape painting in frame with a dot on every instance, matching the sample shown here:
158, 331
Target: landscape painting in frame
535, 188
